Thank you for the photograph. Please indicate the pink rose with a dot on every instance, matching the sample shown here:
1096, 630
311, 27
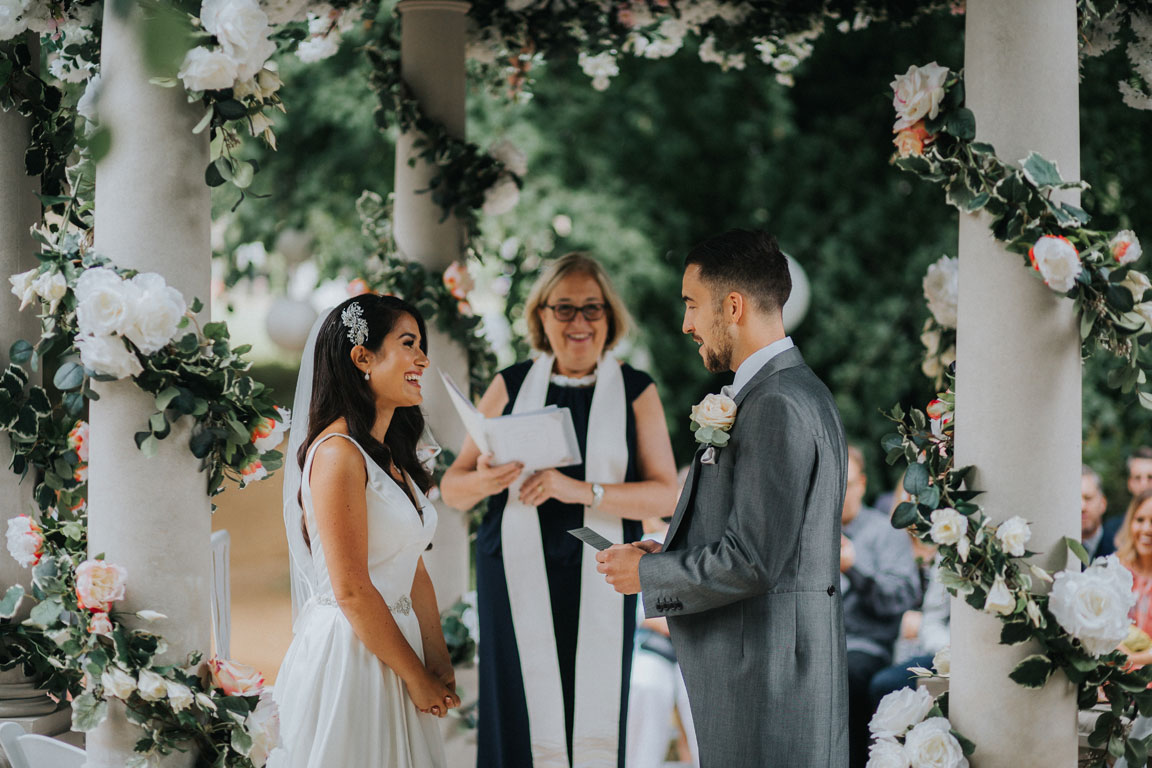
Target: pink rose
1125, 247
99, 584
912, 140
25, 540
253, 472
458, 281
464, 308
234, 678
358, 287
81, 473
78, 440
100, 624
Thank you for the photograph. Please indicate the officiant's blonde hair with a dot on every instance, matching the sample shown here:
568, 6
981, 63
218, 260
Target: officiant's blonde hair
619, 321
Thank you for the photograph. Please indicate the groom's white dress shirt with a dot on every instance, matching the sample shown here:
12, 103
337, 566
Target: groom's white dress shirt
754, 362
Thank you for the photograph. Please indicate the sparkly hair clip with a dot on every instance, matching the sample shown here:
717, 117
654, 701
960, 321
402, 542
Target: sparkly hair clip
353, 319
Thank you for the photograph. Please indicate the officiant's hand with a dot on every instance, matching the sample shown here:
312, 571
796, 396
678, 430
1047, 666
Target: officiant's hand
620, 565
554, 484
494, 479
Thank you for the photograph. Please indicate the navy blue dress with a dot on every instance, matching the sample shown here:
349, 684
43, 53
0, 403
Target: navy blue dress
502, 740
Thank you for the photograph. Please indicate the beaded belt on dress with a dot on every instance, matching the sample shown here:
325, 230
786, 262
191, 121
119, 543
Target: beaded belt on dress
403, 604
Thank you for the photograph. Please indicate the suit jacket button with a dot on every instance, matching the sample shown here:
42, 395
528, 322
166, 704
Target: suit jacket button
831, 591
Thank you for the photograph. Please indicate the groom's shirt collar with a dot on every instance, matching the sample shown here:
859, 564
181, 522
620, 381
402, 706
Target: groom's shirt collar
757, 360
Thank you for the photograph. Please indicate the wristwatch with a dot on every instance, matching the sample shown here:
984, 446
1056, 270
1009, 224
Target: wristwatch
597, 495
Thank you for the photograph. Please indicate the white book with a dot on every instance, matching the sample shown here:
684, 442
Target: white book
538, 439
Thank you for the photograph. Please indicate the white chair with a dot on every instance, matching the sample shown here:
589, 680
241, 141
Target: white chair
25, 750
221, 594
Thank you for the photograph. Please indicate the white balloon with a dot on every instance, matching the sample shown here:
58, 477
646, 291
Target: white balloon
294, 245
288, 323
797, 305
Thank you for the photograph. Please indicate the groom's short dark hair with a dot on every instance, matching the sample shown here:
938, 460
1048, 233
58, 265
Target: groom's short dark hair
748, 262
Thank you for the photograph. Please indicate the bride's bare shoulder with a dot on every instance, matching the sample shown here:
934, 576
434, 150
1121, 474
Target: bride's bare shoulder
330, 454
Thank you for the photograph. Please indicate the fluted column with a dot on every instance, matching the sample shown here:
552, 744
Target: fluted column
19, 210
1018, 375
153, 213
432, 62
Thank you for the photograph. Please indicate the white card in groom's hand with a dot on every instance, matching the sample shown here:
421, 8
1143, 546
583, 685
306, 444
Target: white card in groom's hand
538, 439
591, 538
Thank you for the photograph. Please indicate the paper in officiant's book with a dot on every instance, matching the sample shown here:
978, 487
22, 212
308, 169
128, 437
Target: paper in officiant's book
538, 439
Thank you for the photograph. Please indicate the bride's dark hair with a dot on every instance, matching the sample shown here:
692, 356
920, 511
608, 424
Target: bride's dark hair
339, 390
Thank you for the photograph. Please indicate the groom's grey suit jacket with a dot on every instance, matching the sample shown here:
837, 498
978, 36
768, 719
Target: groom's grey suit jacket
749, 580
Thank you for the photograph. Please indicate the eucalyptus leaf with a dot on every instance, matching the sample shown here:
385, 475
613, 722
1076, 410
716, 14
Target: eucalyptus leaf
916, 479
68, 376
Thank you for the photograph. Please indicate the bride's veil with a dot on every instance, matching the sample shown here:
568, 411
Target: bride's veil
299, 557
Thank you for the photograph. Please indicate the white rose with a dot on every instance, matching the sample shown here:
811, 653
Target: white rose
716, 411
50, 287
942, 661
150, 615
152, 687
11, 23
158, 312
942, 290
263, 725
1014, 534
932, 745
899, 711
99, 584
104, 302
86, 106
318, 48
22, 284
60, 636
1137, 283
948, 526
118, 683
180, 696
1000, 600
509, 154
1093, 606
917, 94
108, 356
1057, 262
25, 540
207, 70
502, 196
1125, 247
242, 29
887, 754
205, 702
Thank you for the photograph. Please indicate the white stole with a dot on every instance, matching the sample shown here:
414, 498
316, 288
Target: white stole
600, 643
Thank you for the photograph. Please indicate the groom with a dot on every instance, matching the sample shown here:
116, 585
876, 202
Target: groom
749, 573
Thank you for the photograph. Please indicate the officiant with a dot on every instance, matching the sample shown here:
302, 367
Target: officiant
556, 641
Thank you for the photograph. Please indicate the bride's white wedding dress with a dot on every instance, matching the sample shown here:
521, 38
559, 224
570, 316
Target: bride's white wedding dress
340, 706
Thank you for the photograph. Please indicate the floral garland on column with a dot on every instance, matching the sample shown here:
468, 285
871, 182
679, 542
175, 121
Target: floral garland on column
979, 560
79, 645
935, 139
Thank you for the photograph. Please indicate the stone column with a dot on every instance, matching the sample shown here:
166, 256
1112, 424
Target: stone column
19, 210
1018, 387
432, 60
153, 213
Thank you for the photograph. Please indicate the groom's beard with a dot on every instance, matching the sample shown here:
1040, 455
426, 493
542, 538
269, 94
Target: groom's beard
718, 359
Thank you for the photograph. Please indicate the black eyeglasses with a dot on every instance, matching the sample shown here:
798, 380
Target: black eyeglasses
566, 313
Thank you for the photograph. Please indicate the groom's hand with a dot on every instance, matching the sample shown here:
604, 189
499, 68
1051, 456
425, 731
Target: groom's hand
620, 565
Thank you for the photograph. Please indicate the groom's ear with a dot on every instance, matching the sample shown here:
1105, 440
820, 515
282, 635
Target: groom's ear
734, 307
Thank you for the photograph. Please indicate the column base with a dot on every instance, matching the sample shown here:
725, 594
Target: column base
19, 696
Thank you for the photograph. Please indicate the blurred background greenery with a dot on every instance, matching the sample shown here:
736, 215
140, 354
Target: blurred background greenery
676, 150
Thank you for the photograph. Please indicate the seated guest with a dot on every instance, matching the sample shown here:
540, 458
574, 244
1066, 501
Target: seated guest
1096, 534
879, 581
1139, 466
1134, 549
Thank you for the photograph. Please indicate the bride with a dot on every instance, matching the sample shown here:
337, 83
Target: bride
368, 672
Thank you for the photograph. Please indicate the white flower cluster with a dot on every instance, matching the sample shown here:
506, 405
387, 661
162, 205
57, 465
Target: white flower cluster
1093, 605
905, 737
1140, 56
326, 27
710, 54
66, 66
49, 286
242, 31
144, 309
20, 16
601, 68
942, 290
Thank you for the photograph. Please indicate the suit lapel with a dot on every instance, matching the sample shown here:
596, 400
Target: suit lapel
686, 497
789, 358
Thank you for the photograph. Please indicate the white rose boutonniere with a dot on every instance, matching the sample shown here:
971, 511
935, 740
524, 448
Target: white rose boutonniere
712, 419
